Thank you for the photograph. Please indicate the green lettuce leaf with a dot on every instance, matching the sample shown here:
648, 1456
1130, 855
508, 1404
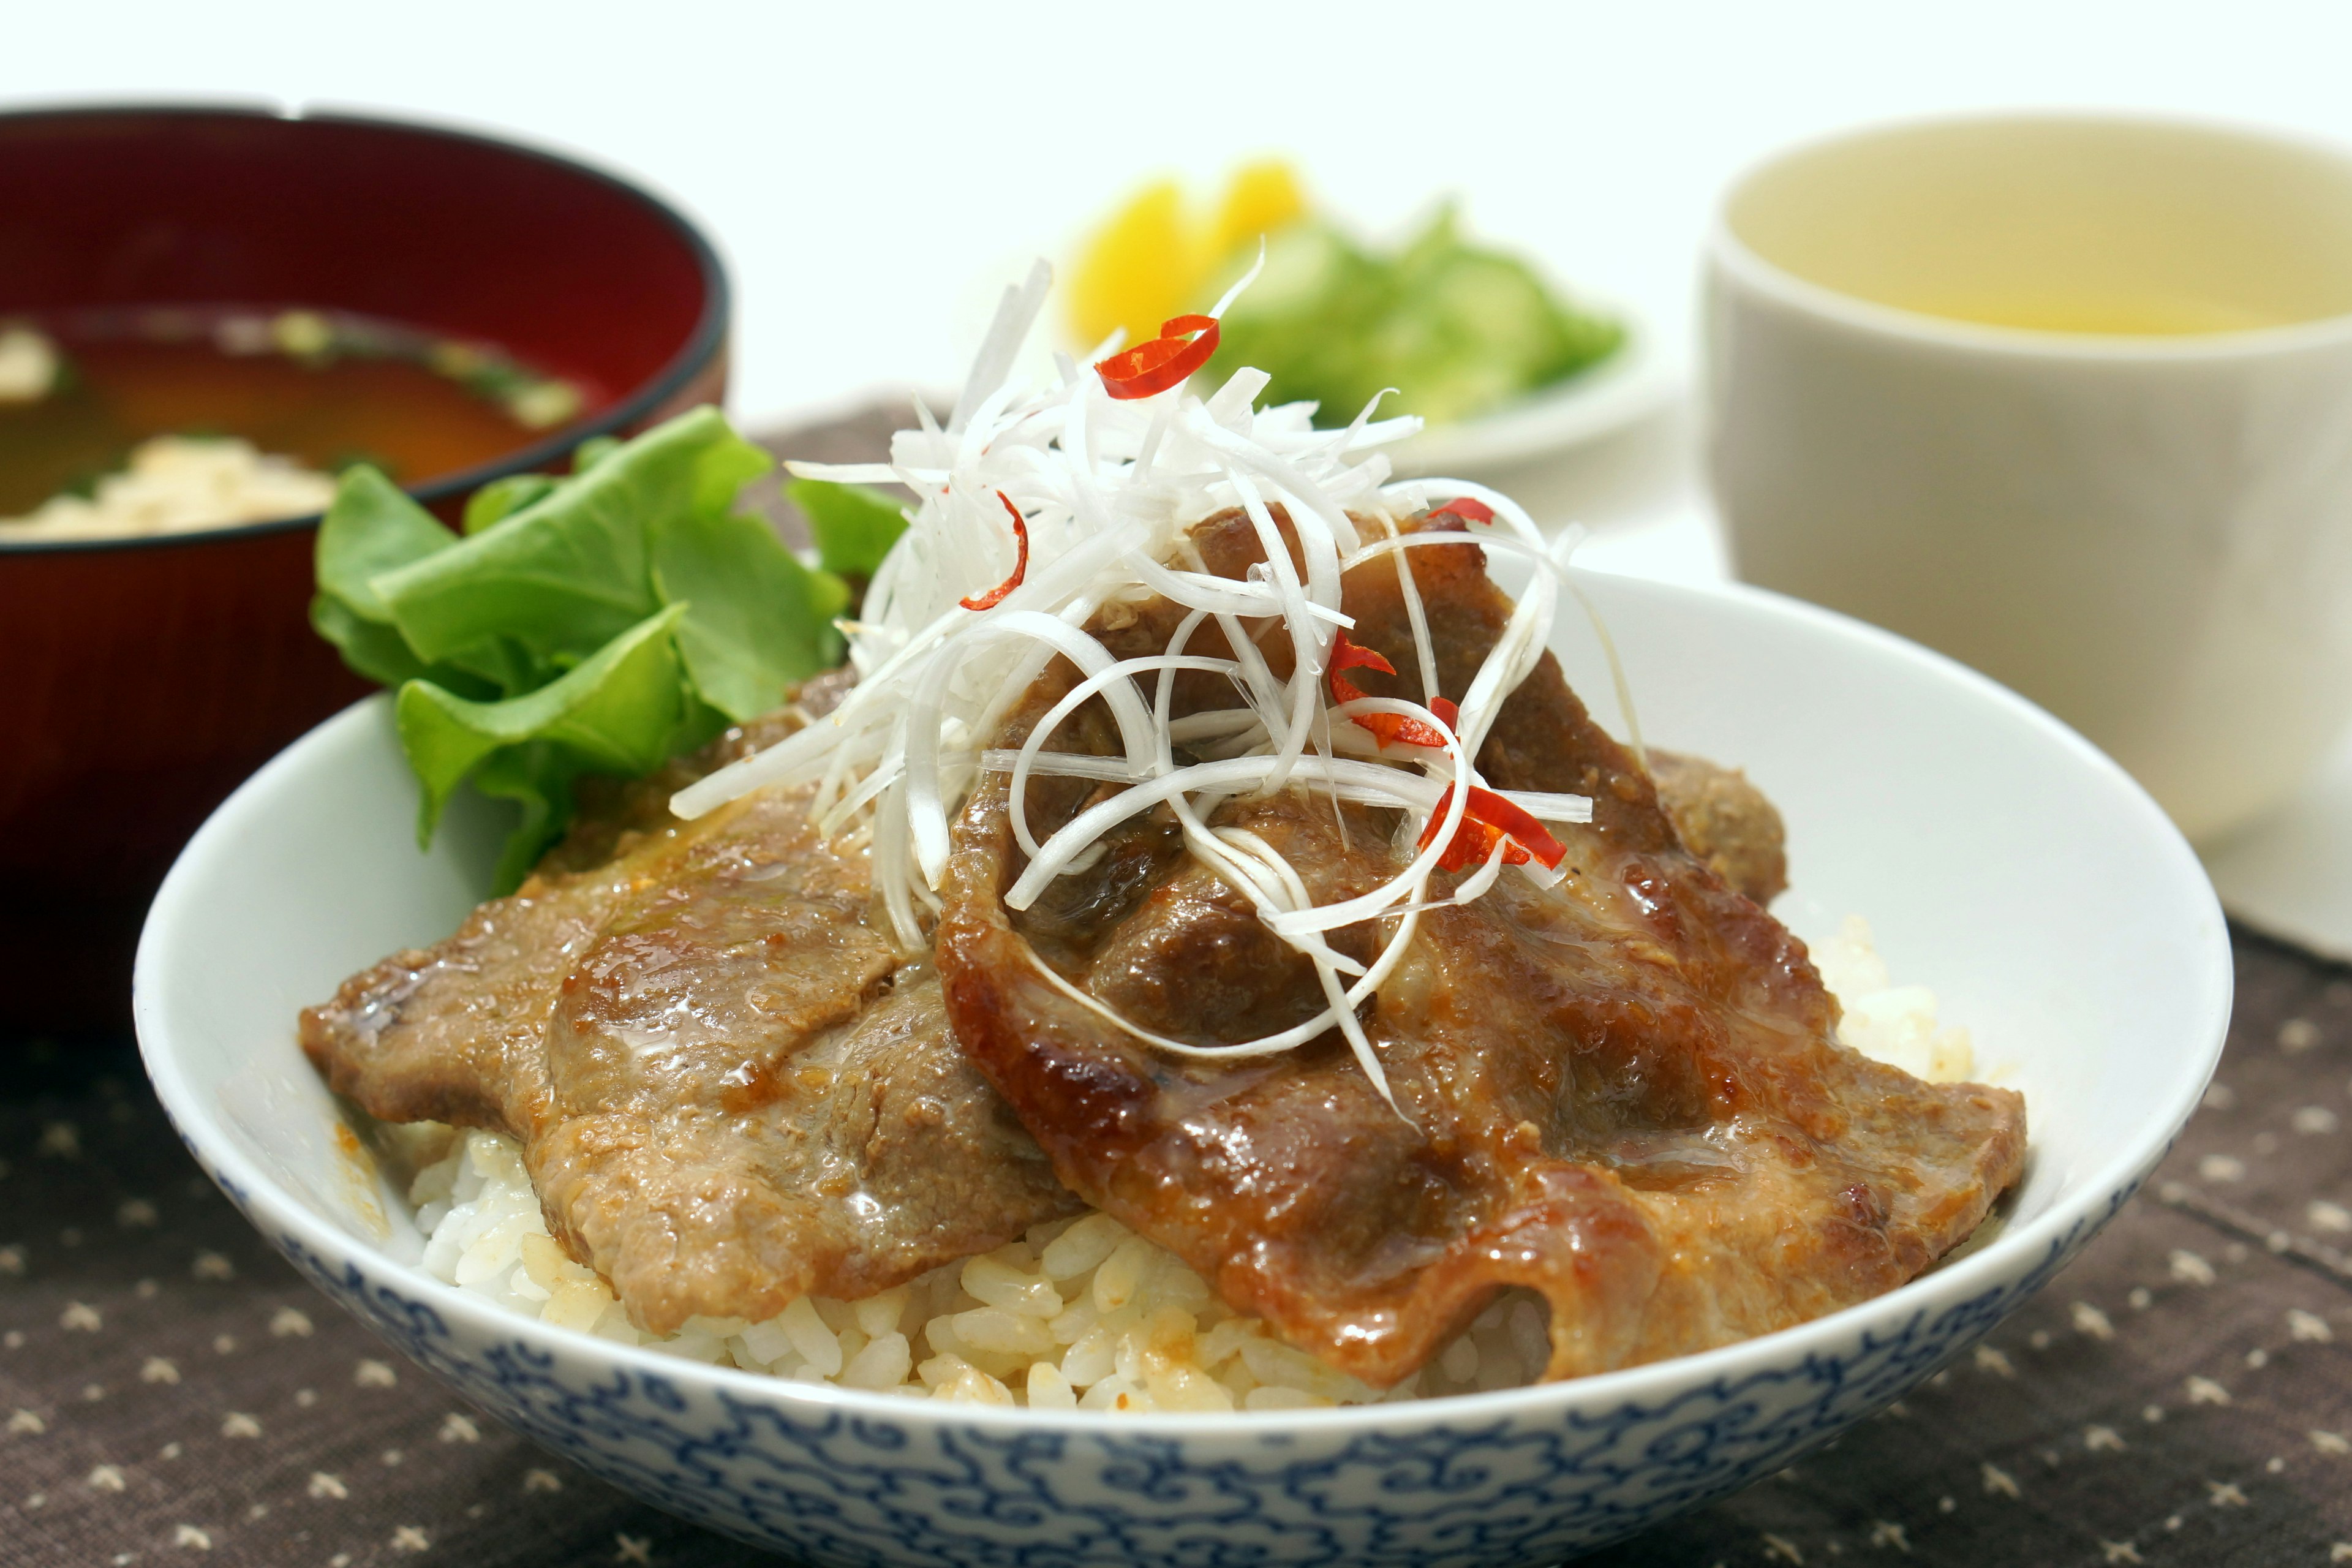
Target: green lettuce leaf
371, 528
594, 450
538, 778
854, 527
371, 650
624, 710
757, 621
502, 498
603, 621
570, 572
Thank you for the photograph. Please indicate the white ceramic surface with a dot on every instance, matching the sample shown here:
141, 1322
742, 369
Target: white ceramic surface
2151, 535
2003, 860
2290, 874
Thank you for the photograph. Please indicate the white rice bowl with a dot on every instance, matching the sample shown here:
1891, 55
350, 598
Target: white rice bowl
2003, 863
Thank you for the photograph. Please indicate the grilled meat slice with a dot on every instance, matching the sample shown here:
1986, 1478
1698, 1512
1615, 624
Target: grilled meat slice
1624, 1092
730, 1088
1724, 820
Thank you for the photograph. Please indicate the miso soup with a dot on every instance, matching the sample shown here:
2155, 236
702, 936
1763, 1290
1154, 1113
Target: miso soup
307, 392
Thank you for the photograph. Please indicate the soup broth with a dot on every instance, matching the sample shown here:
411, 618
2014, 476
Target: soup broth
323, 392
2064, 225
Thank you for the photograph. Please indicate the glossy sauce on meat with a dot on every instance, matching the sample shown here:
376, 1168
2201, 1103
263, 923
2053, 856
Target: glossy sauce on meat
732, 1090
1624, 1092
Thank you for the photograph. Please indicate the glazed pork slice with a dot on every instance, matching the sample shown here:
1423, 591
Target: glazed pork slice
730, 1089
1724, 820
1624, 1092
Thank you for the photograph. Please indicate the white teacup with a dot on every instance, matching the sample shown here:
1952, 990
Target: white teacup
2069, 398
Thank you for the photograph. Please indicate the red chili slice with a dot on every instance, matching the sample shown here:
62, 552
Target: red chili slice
1467, 510
1473, 840
1388, 728
1488, 817
1519, 823
1019, 563
1183, 346
1401, 730
1347, 655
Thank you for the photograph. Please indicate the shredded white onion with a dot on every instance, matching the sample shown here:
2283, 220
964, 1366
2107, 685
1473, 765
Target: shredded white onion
1109, 488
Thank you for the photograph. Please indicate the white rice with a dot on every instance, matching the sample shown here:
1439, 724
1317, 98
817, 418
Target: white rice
1079, 1313
1886, 1022
178, 482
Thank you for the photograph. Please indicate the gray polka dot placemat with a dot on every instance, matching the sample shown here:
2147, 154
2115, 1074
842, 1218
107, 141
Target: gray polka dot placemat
169, 1391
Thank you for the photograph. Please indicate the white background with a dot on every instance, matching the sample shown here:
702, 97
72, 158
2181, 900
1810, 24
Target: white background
871, 172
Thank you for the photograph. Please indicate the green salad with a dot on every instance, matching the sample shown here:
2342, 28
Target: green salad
599, 622
1457, 330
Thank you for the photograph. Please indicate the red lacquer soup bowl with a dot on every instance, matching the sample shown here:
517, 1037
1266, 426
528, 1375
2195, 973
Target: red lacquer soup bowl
141, 679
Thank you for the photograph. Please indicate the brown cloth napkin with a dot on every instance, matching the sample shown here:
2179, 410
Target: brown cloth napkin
171, 1392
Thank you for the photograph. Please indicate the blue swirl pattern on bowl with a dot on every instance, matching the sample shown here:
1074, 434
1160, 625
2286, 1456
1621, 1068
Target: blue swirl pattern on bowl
846, 1486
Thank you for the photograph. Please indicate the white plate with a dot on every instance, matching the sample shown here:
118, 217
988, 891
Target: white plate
1600, 400
1630, 386
2003, 862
